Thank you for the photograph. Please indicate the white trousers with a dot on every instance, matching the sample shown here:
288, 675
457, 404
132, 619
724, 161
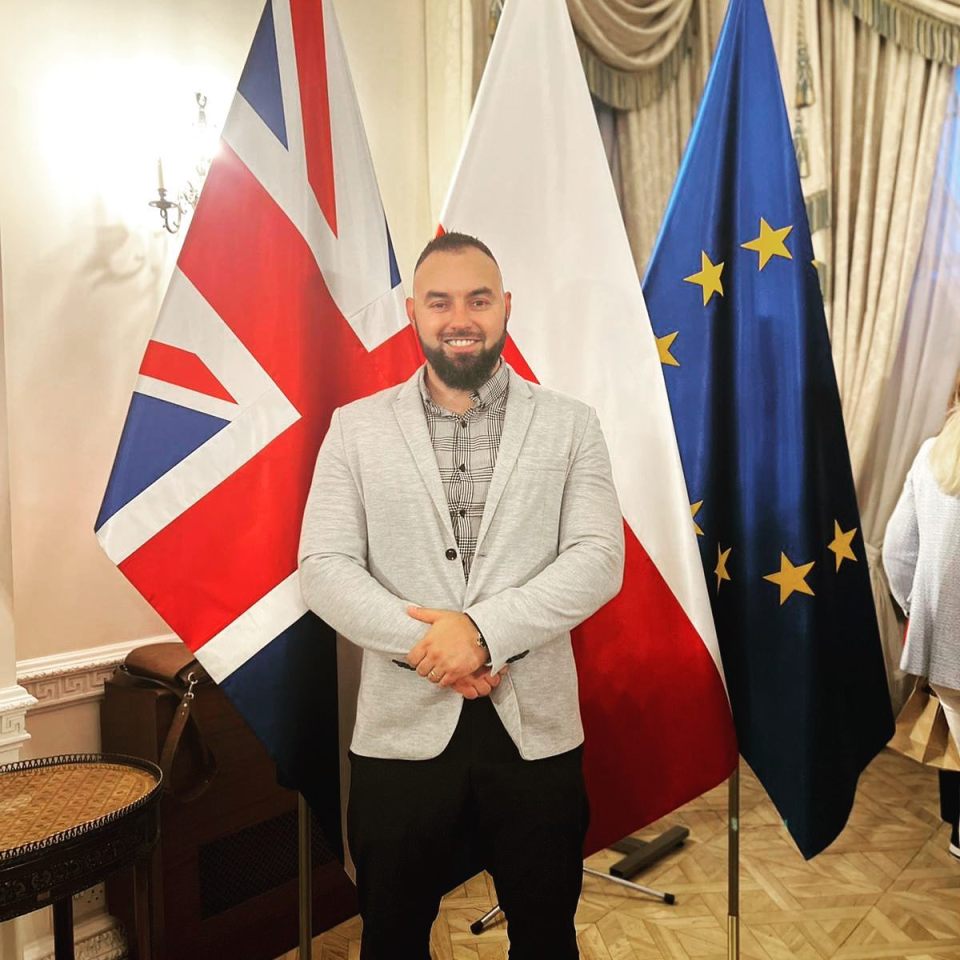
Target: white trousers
950, 699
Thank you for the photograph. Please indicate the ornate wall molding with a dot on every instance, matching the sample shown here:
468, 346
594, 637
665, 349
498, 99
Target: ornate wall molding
65, 679
13, 726
15, 701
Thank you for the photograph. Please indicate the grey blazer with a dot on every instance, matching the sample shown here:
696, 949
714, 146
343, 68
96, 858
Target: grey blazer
377, 537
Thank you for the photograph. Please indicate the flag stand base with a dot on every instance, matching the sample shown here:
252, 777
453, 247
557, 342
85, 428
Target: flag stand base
639, 854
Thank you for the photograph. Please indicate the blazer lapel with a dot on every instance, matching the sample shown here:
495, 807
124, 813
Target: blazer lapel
517, 419
408, 409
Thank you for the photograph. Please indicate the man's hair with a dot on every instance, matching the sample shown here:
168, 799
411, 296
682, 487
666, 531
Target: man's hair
451, 243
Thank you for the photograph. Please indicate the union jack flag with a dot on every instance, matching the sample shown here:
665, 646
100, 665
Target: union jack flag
285, 303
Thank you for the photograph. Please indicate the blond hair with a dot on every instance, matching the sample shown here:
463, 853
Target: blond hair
945, 453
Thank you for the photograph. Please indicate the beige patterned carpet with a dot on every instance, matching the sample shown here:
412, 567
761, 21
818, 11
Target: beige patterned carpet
887, 888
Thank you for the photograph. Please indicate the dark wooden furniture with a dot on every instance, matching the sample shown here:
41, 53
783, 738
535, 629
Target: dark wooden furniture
68, 822
225, 871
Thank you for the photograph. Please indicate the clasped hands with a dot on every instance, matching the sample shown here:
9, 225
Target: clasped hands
448, 655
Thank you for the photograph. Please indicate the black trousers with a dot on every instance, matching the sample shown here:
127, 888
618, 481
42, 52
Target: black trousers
950, 802
412, 823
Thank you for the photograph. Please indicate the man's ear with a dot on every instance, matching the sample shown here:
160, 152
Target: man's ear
507, 303
410, 314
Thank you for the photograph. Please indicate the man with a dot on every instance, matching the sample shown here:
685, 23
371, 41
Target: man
461, 521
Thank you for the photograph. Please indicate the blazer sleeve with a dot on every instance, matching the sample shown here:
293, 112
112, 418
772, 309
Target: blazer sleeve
334, 578
901, 545
587, 572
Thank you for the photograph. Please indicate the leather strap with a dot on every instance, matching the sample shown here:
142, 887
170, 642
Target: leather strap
181, 718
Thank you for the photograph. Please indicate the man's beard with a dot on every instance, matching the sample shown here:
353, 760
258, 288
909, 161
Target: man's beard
464, 371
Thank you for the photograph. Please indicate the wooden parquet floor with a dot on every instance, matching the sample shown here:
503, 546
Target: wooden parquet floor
887, 888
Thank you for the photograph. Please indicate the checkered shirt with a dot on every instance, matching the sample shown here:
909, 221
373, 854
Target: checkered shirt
466, 448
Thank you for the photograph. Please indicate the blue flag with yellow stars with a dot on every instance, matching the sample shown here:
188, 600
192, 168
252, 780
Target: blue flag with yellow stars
735, 304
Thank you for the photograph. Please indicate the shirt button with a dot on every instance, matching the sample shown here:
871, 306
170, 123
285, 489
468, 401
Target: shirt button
463, 423
462, 468
463, 513
451, 554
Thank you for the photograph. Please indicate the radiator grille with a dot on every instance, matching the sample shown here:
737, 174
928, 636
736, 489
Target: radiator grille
250, 862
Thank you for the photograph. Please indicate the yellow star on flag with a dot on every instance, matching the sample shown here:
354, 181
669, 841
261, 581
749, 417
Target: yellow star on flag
721, 568
708, 277
694, 510
769, 243
790, 578
663, 348
841, 544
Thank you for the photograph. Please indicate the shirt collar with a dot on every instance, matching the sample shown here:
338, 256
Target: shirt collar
485, 395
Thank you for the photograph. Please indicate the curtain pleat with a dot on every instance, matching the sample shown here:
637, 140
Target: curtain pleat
921, 381
867, 103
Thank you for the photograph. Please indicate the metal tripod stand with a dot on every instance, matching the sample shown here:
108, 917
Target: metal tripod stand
638, 855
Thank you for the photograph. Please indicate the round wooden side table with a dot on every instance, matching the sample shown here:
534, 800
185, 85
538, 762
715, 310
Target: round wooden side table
65, 823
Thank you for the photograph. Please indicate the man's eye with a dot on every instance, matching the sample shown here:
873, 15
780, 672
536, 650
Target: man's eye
481, 303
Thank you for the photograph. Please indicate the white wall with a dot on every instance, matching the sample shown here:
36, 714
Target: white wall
8, 659
90, 93
91, 90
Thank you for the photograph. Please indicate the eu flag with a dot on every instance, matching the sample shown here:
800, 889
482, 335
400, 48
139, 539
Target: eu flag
735, 304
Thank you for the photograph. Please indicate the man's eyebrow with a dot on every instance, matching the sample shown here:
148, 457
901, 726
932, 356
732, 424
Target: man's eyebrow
444, 295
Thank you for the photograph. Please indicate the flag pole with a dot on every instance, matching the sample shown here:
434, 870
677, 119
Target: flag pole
733, 864
305, 878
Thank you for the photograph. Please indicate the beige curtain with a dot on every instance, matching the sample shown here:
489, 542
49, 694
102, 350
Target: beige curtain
921, 381
650, 144
651, 136
648, 62
486, 14
450, 27
793, 24
921, 384
632, 52
885, 107
867, 115
651, 139
928, 27
630, 37
866, 84
867, 99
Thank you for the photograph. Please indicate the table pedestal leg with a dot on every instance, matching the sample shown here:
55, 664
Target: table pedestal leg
142, 911
63, 929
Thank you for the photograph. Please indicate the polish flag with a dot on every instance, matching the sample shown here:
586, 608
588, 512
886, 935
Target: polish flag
533, 182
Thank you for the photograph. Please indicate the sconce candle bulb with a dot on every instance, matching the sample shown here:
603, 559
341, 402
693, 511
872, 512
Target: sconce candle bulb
172, 211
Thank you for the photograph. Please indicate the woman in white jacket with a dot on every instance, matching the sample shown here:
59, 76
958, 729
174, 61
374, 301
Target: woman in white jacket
921, 554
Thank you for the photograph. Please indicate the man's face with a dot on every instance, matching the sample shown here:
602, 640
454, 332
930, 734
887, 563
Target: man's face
460, 313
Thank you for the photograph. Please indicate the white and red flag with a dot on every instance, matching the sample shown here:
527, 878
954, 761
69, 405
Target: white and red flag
533, 183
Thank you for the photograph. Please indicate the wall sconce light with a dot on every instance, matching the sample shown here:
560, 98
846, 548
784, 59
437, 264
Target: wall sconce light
202, 147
